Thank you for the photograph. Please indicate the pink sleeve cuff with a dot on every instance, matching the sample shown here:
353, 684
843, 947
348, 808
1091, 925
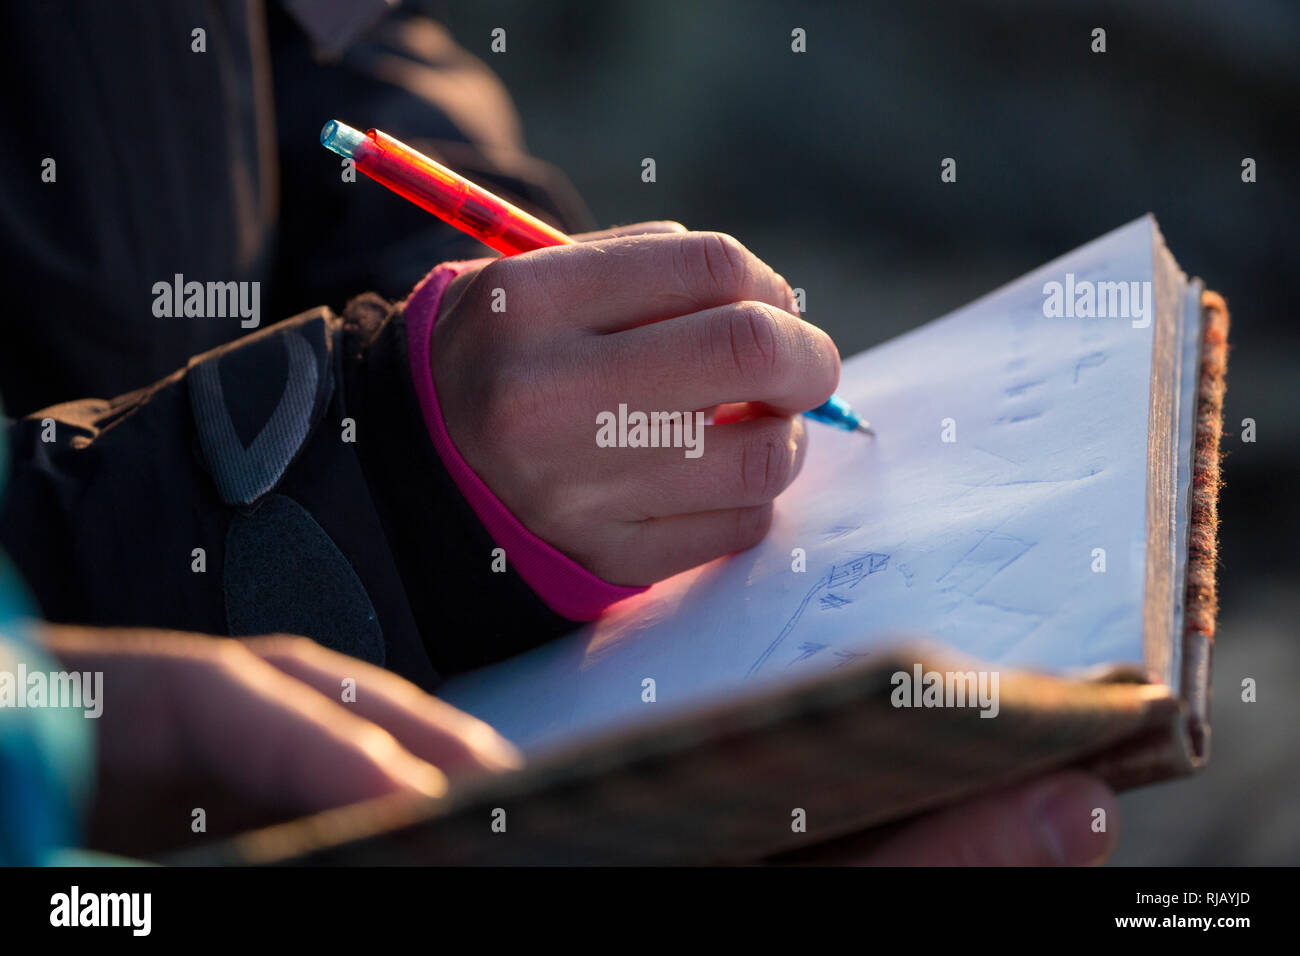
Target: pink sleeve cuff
565, 586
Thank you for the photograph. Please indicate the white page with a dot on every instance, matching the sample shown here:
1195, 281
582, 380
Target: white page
985, 543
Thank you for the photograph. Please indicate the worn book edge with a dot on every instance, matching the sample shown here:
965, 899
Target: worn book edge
717, 784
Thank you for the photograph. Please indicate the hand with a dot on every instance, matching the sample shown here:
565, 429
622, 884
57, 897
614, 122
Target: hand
657, 319
254, 732
1044, 822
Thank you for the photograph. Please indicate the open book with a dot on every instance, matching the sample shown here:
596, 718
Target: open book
1016, 574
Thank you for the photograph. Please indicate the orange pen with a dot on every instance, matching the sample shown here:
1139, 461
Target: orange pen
488, 218
435, 188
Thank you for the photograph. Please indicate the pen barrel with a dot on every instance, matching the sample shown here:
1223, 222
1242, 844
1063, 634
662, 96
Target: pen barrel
452, 198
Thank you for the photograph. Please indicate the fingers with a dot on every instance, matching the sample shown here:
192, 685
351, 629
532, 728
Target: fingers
1047, 822
429, 728
283, 745
742, 352
206, 713
536, 348
661, 547
609, 284
742, 465
457, 286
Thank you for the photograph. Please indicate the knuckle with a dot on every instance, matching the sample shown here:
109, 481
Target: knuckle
755, 341
494, 275
766, 462
721, 258
481, 293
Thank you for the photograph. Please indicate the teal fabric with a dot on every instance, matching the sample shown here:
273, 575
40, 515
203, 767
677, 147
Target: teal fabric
46, 753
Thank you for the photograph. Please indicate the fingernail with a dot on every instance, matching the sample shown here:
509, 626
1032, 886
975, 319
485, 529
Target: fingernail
491, 750
1070, 829
425, 778
502, 753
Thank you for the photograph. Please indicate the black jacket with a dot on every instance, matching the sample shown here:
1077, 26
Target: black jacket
208, 164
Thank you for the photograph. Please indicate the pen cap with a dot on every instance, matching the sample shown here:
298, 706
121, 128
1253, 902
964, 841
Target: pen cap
341, 138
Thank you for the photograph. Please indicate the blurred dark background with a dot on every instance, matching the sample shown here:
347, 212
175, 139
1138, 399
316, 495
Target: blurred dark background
826, 164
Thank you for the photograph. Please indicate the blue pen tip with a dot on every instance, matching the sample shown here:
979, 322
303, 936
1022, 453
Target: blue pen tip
341, 138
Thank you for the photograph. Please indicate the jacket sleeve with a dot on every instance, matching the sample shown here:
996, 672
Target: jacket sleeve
281, 483
407, 76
